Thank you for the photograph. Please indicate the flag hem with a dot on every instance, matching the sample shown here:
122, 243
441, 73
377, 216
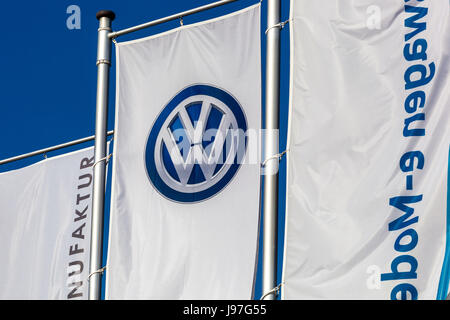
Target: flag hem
288, 143
188, 26
445, 273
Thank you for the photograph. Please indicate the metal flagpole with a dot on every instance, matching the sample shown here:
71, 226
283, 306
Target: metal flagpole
116, 34
49, 149
98, 196
271, 147
105, 35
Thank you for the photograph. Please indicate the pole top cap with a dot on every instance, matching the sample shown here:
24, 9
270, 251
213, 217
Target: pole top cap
106, 13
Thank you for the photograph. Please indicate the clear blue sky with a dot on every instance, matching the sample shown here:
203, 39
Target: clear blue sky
49, 77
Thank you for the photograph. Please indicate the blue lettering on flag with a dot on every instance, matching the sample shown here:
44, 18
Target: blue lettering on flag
405, 266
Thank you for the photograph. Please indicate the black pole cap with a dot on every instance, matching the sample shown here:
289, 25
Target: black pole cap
106, 13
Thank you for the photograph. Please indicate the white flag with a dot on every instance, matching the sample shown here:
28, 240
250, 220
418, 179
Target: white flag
45, 226
185, 198
368, 162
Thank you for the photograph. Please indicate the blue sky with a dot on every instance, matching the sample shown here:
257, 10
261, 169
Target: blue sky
49, 77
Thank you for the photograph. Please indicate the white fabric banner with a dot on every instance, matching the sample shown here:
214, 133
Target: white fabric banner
185, 199
367, 200
45, 223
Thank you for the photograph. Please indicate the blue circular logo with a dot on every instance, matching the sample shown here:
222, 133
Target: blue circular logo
196, 144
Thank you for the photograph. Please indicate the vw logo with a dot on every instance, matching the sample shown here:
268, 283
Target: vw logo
196, 144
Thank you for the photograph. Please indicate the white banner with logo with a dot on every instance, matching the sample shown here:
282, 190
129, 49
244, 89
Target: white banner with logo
45, 226
368, 159
185, 199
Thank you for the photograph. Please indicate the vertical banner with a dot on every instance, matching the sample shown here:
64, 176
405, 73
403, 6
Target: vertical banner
45, 223
367, 200
185, 199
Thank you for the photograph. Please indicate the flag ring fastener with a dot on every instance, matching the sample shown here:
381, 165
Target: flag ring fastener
104, 29
102, 159
278, 25
103, 61
278, 156
275, 290
101, 270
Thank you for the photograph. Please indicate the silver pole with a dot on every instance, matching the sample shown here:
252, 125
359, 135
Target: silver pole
98, 195
57, 147
116, 34
271, 147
